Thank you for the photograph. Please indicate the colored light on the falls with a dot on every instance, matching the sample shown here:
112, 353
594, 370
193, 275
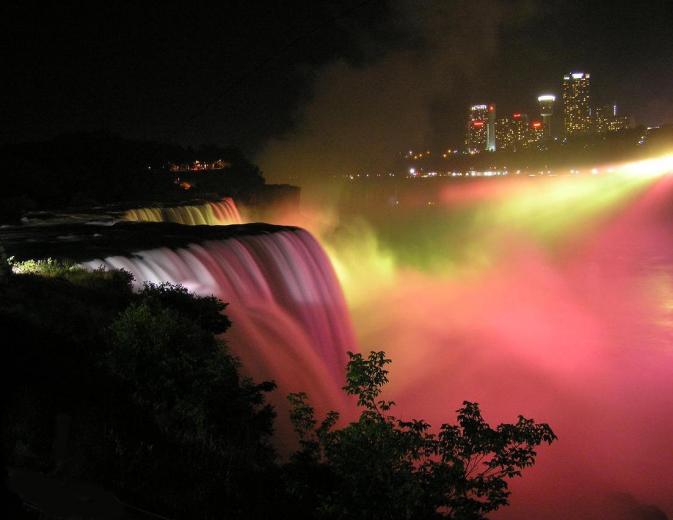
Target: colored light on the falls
222, 212
290, 322
546, 296
535, 296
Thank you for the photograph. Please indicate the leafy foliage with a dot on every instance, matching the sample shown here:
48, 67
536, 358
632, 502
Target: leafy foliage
383, 467
159, 412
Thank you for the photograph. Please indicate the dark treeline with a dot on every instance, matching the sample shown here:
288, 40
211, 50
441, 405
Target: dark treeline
85, 169
145, 400
133, 392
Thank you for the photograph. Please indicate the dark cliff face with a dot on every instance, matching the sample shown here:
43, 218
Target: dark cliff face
80, 241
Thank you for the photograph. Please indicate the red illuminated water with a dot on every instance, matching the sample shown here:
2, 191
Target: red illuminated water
290, 322
561, 311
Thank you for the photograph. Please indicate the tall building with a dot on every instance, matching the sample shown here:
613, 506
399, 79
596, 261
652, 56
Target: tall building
536, 133
504, 133
606, 119
511, 132
475, 139
480, 133
546, 102
520, 123
576, 103
490, 129
621, 123
603, 117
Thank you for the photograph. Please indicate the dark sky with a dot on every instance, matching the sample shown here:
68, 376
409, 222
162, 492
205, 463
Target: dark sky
191, 74
269, 76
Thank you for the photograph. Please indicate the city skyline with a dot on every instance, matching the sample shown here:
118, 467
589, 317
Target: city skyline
320, 88
574, 116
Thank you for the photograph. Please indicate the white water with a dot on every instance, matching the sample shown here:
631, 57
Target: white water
290, 321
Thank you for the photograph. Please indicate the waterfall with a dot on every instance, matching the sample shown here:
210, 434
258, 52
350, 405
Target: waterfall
223, 212
290, 321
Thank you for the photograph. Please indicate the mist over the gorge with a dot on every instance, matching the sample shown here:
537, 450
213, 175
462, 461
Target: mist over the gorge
205, 213
359, 116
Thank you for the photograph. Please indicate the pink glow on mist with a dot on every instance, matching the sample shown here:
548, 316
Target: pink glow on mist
582, 340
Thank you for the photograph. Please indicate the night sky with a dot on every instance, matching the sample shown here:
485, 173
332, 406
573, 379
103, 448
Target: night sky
348, 83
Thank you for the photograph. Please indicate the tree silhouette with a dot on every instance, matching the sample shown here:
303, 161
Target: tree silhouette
382, 467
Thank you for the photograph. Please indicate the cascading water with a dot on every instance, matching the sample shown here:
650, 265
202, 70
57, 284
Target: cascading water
290, 322
546, 297
219, 213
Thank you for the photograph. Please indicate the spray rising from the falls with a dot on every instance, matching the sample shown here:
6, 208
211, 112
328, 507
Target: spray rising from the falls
219, 213
290, 322
551, 297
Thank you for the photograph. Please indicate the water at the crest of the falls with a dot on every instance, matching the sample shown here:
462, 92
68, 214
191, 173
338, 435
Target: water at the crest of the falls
290, 321
223, 212
549, 297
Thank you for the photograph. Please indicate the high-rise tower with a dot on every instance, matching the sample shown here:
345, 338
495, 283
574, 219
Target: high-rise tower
481, 128
606, 119
546, 111
475, 139
576, 103
512, 132
490, 129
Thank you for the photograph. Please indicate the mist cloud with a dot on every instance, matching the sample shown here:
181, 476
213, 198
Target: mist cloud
359, 117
